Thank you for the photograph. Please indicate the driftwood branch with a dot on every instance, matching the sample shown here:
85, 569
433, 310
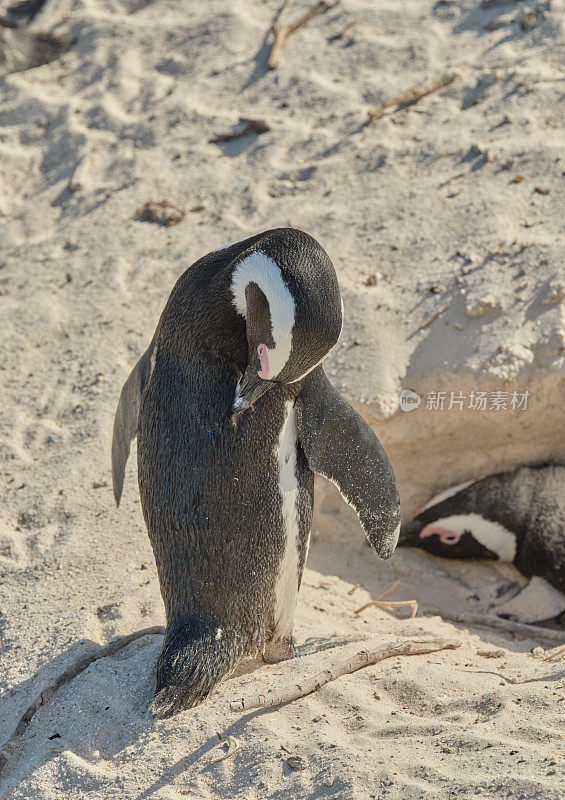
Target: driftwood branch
487, 621
68, 675
282, 32
364, 658
411, 96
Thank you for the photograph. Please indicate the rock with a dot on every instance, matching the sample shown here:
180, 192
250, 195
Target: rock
528, 20
499, 349
21, 49
481, 306
499, 22
556, 293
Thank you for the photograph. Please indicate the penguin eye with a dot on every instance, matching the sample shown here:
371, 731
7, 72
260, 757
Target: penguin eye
264, 360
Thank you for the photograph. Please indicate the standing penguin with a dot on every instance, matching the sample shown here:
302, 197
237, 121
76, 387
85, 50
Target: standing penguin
233, 413
516, 516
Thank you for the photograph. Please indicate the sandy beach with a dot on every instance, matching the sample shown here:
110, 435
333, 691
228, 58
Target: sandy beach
444, 220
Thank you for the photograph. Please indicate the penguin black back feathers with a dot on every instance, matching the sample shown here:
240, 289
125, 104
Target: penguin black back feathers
233, 413
516, 516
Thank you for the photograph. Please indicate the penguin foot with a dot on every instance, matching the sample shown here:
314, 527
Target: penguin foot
279, 651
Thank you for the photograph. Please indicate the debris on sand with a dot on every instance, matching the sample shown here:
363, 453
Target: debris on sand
161, 212
21, 49
245, 127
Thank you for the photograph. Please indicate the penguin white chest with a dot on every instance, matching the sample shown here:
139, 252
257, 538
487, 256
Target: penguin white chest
286, 588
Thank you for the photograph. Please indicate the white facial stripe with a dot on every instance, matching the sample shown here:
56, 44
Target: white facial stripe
264, 271
490, 534
444, 495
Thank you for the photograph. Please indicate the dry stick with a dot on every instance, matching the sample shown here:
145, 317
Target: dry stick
379, 601
364, 658
556, 653
390, 590
340, 34
257, 126
411, 96
432, 319
388, 604
553, 654
450, 180
68, 675
486, 621
233, 747
282, 32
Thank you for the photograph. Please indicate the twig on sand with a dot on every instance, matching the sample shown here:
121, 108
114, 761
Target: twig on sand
233, 747
390, 590
432, 319
282, 32
364, 658
68, 675
450, 180
340, 34
388, 604
488, 621
555, 654
245, 128
411, 96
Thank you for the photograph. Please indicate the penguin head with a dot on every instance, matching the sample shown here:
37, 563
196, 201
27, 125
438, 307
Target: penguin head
286, 288
462, 523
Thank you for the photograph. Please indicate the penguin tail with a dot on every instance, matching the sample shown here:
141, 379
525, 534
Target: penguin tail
197, 653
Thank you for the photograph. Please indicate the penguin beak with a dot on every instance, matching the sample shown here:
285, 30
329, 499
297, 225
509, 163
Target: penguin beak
249, 390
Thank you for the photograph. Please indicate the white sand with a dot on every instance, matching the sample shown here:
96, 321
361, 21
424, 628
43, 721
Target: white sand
125, 118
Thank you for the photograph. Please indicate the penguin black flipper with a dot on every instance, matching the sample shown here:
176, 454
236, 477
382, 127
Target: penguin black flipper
125, 421
342, 447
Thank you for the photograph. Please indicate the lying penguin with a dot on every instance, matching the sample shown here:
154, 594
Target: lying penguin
514, 516
233, 414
